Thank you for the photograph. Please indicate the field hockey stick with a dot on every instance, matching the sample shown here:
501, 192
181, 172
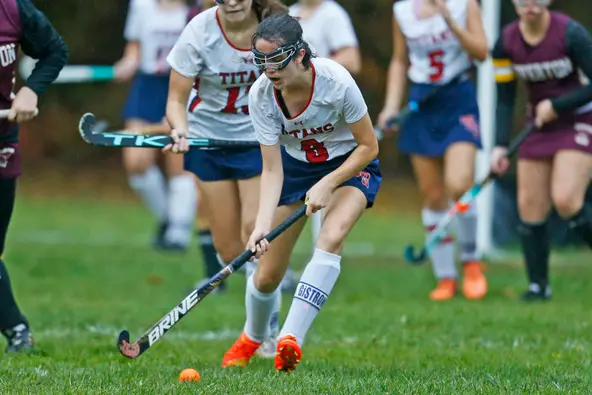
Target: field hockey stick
4, 113
71, 73
95, 135
134, 350
460, 206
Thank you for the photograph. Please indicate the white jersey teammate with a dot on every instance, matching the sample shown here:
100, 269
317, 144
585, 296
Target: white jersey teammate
434, 42
313, 108
152, 27
212, 73
338, 43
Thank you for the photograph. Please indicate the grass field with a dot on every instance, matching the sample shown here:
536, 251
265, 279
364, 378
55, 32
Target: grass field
83, 271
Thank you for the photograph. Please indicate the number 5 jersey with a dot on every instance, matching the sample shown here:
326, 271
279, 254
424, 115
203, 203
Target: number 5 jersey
435, 54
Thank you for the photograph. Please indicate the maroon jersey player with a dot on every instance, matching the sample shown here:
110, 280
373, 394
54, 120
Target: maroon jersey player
548, 51
21, 25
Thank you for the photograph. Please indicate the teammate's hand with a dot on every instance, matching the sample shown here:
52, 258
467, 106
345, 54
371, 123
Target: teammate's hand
180, 144
23, 106
499, 161
318, 196
257, 243
384, 116
125, 69
544, 113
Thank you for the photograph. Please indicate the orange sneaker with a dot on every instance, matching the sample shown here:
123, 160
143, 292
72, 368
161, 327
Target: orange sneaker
474, 282
288, 354
445, 290
241, 352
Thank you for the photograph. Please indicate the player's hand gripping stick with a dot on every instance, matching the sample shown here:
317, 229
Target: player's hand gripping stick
166, 323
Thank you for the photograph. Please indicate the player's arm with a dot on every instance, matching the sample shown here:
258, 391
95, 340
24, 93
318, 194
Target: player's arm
397, 71
272, 174
356, 115
505, 79
473, 38
186, 63
41, 41
126, 67
579, 48
343, 42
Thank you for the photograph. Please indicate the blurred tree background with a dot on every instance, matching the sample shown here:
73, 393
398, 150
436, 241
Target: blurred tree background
93, 30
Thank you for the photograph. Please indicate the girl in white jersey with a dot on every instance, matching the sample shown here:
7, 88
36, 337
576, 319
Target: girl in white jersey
212, 72
434, 41
338, 43
313, 108
152, 29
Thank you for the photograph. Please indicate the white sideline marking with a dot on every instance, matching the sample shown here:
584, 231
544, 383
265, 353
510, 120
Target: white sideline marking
181, 335
352, 249
59, 238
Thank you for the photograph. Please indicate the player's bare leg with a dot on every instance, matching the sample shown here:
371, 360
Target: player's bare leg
569, 182
534, 203
429, 175
182, 203
459, 176
320, 275
147, 180
262, 289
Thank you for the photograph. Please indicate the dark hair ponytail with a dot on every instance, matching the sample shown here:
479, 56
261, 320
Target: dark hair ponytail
266, 8
284, 29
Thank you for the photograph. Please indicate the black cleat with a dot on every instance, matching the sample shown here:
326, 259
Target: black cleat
159, 240
536, 293
19, 339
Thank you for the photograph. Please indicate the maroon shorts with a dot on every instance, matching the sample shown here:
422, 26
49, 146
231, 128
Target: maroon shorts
545, 143
10, 160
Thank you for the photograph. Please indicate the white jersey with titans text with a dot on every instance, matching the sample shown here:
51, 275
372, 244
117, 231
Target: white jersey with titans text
435, 54
156, 29
218, 106
328, 29
320, 131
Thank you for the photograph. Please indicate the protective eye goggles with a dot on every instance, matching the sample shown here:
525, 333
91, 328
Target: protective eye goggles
278, 59
526, 3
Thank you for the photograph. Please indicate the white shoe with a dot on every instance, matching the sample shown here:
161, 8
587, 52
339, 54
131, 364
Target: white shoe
267, 349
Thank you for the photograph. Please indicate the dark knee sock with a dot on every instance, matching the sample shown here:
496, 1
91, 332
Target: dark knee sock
208, 253
536, 249
10, 315
581, 223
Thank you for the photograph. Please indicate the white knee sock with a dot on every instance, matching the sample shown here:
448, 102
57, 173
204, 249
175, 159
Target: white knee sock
442, 255
182, 207
260, 307
274, 326
467, 234
314, 287
151, 188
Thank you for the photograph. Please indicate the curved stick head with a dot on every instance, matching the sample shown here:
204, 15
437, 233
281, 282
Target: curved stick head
127, 349
413, 259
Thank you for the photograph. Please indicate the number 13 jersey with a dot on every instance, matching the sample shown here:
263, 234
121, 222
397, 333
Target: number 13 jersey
320, 131
218, 104
435, 54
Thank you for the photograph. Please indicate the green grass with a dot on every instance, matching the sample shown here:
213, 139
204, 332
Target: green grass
83, 271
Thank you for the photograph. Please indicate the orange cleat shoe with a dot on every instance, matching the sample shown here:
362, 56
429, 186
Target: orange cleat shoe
474, 282
445, 290
241, 352
288, 354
